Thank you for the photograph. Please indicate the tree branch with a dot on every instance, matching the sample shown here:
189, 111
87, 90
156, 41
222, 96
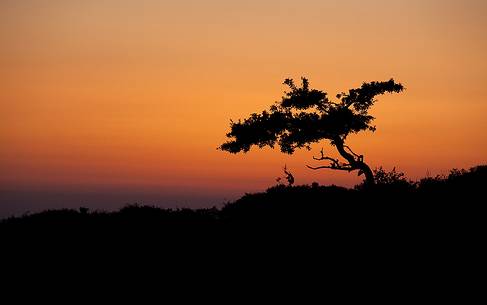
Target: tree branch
335, 163
350, 150
341, 167
359, 158
323, 157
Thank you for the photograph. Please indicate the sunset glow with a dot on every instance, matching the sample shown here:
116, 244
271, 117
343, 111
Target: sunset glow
99, 98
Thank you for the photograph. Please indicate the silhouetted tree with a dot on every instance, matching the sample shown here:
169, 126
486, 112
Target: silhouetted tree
306, 116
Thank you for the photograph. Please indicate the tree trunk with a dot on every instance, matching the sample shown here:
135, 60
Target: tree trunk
354, 162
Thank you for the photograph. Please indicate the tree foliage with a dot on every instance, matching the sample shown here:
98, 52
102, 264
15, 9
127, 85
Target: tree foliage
305, 116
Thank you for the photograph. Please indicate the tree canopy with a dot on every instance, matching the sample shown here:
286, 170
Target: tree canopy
305, 116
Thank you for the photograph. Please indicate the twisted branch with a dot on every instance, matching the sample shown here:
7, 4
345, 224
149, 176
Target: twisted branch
344, 167
323, 157
359, 158
335, 163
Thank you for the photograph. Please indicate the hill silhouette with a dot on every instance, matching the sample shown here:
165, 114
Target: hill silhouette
396, 234
394, 204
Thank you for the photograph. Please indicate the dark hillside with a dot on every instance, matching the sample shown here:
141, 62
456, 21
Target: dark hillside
425, 233
454, 202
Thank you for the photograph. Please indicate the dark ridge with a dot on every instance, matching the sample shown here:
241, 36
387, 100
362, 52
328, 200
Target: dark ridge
396, 234
393, 203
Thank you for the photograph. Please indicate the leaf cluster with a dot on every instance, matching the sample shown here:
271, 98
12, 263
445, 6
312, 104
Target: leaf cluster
305, 116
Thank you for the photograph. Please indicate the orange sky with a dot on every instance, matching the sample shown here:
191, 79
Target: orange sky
103, 95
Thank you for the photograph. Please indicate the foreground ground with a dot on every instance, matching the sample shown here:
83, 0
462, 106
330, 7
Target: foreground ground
397, 205
399, 237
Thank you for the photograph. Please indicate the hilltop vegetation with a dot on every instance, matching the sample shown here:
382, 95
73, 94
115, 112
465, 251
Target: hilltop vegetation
397, 230
393, 201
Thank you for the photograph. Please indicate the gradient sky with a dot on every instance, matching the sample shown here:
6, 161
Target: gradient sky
109, 102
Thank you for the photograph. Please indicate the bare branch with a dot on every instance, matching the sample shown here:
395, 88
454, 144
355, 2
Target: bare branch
323, 157
359, 158
350, 150
335, 163
326, 158
343, 168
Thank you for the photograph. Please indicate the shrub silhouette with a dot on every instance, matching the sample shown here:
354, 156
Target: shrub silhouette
390, 180
305, 116
288, 176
